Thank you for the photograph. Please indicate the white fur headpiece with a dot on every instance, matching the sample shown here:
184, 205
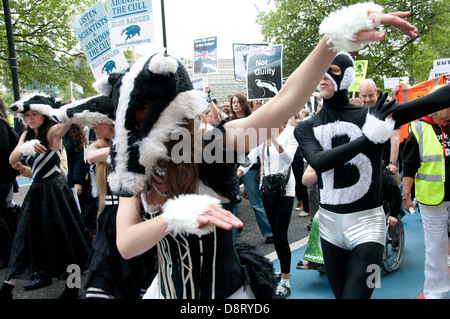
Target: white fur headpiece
36, 102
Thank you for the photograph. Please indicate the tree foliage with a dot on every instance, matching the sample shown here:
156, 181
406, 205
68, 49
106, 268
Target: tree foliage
295, 24
47, 49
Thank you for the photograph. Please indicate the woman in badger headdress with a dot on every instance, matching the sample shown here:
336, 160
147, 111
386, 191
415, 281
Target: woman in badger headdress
109, 273
50, 235
187, 198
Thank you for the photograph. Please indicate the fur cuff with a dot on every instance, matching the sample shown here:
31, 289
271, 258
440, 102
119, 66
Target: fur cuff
182, 213
341, 26
27, 148
376, 130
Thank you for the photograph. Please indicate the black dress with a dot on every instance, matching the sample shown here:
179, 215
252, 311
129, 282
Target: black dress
50, 234
121, 278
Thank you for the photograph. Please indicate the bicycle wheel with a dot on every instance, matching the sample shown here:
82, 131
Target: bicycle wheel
393, 250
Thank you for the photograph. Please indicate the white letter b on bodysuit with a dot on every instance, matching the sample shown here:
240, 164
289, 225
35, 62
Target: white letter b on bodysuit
338, 196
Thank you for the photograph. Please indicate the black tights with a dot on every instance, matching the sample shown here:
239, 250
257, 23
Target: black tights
279, 216
348, 271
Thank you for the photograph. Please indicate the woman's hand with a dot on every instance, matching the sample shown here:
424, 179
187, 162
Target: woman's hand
394, 19
392, 221
219, 217
39, 148
409, 206
78, 188
18, 166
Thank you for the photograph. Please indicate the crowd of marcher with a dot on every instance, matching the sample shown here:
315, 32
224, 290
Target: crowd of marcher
109, 192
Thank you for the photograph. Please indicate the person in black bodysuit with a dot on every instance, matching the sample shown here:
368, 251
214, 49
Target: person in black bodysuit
344, 144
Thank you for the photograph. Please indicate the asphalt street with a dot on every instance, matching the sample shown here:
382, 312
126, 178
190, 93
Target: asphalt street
250, 234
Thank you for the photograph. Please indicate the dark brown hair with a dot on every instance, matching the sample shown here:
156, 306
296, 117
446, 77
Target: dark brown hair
245, 105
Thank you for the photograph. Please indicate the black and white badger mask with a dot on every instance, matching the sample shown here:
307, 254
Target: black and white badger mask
345, 80
164, 81
36, 102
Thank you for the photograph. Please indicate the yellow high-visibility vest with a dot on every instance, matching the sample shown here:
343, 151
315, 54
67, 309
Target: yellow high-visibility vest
430, 177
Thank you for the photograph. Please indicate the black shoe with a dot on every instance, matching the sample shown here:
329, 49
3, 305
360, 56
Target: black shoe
269, 240
37, 282
282, 292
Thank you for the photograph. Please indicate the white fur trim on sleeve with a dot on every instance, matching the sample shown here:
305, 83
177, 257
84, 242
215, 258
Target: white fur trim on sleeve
27, 148
342, 25
376, 130
181, 213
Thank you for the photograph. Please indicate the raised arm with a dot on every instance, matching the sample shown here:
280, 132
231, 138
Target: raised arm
55, 135
304, 80
96, 153
412, 110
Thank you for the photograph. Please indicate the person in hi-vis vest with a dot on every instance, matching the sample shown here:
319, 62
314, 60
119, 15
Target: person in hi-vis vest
426, 163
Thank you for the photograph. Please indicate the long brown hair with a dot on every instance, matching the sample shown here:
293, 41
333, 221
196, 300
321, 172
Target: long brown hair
245, 105
101, 173
180, 178
76, 132
3, 110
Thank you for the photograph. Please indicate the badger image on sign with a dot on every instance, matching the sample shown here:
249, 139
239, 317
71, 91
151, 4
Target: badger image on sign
264, 72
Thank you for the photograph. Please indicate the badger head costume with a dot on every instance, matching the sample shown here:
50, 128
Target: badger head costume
36, 102
86, 112
162, 82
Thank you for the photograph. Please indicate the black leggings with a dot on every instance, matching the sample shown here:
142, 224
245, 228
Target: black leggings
348, 271
279, 216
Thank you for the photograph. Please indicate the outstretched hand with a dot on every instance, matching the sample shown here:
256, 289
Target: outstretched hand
382, 110
394, 19
219, 217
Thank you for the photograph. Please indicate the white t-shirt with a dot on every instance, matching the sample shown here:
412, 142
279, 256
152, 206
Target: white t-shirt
279, 163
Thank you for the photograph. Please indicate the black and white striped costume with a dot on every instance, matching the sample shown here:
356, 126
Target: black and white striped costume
50, 234
198, 267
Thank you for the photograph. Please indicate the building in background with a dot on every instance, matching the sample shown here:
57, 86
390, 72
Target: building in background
222, 84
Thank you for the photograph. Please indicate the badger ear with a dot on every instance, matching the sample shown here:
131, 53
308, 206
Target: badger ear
106, 84
56, 103
163, 64
103, 86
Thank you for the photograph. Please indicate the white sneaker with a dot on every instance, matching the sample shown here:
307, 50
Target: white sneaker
303, 214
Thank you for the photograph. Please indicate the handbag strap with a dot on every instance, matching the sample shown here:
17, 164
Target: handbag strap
288, 173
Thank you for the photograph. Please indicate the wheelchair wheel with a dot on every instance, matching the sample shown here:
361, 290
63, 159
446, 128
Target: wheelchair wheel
393, 250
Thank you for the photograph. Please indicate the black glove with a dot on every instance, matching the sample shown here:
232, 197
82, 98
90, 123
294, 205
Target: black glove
379, 126
381, 110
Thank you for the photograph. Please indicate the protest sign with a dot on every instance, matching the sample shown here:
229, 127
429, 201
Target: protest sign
200, 83
264, 72
205, 56
360, 74
130, 22
240, 54
92, 31
389, 83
